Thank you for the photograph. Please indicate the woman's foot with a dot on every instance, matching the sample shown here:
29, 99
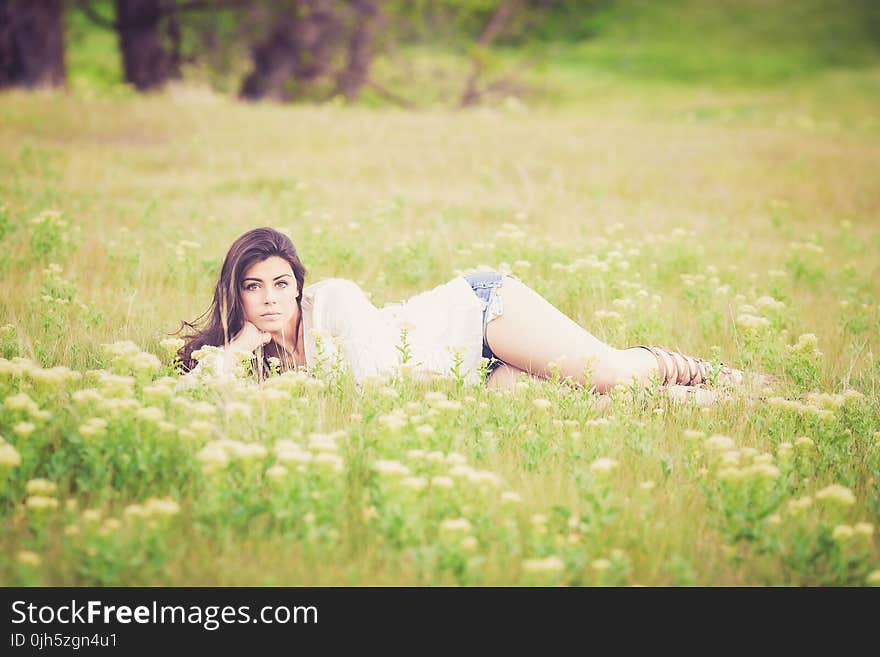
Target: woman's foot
727, 376
695, 395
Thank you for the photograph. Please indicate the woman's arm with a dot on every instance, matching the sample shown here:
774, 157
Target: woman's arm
226, 362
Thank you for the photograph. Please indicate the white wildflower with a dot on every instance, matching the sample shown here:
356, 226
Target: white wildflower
9, 457
28, 558
41, 502
864, 529
333, 461
842, 533
40, 487
276, 472
511, 497
23, 429
389, 467
838, 494
414, 483
719, 442
546, 565
800, 504
455, 525
603, 465
600, 565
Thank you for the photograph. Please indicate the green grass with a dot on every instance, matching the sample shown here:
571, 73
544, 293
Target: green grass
94, 62
732, 42
711, 199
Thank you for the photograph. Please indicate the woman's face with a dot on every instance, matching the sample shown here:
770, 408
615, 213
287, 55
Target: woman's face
268, 293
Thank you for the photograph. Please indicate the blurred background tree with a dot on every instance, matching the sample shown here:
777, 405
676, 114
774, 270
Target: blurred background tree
413, 52
32, 43
299, 53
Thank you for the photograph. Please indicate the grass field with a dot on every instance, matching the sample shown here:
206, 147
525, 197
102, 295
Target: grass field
738, 223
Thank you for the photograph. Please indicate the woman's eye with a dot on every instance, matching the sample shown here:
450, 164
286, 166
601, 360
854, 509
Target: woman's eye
282, 283
251, 287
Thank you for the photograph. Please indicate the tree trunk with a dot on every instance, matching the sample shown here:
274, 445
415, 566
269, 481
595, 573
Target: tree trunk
506, 9
298, 51
360, 48
31, 43
145, 61
175, 37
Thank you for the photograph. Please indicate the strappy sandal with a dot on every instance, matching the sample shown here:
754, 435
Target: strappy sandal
689, 370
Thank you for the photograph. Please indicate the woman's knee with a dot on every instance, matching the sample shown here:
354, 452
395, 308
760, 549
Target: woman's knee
505, 376
533, 335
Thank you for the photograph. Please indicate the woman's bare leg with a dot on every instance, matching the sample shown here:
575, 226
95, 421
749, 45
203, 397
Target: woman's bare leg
507, 376
533, 335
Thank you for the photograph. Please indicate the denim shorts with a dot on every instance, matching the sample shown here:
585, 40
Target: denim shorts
485, 285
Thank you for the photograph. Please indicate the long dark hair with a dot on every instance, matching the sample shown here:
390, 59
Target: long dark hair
226, 314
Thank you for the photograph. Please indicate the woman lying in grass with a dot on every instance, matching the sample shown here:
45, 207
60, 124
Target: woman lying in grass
262, 310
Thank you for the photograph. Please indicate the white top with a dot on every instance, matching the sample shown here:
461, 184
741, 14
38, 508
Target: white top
341, 325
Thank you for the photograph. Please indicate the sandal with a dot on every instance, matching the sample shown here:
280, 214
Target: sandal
688, 370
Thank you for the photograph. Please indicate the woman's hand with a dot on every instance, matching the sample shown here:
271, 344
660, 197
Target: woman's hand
249, 338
